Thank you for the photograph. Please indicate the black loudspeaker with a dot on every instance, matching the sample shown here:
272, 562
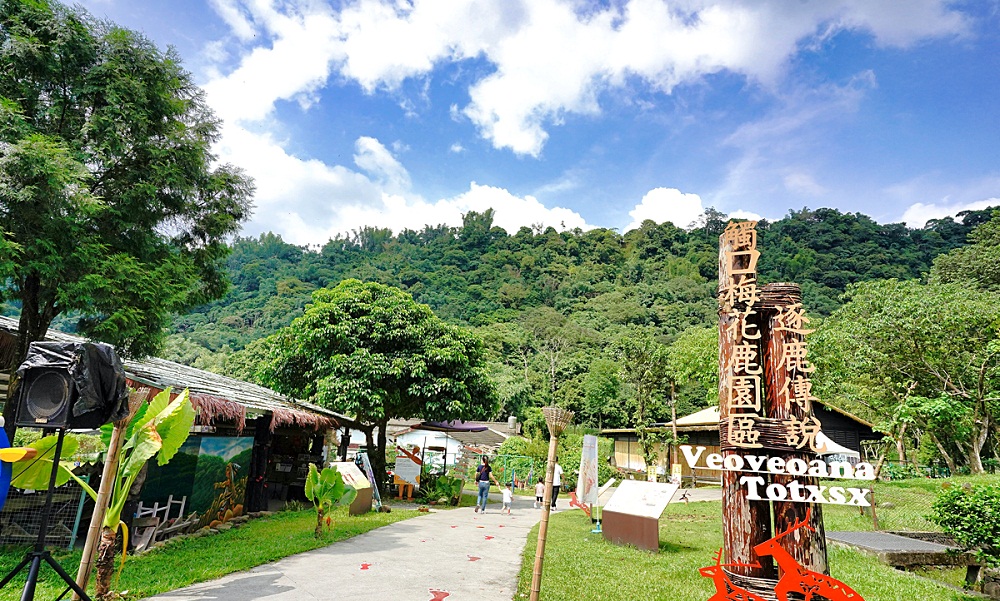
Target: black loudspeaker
71, 385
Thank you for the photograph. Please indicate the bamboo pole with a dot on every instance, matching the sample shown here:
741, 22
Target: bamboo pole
536, 574
108, 476
557, 419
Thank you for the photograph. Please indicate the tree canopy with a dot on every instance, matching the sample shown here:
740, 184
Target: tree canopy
371, 351
112, 211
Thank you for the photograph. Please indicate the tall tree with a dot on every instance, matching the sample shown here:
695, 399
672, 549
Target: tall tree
927, 353
369, 350
978, 263
643, 363
111, 207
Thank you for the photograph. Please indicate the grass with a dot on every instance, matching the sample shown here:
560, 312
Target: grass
190, 560
580, 566
900, 504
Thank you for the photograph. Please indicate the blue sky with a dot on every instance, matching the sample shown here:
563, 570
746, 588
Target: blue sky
592, 114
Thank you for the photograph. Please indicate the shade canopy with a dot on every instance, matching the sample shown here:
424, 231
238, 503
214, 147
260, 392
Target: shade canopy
452, 426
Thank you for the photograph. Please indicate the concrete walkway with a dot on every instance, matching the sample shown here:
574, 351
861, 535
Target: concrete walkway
455, 554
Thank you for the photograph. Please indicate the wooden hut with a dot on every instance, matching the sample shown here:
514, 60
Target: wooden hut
275, 437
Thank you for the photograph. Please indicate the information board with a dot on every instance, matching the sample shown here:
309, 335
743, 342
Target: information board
639, 498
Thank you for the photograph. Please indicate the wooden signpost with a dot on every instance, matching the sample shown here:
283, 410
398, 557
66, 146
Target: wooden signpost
769, 462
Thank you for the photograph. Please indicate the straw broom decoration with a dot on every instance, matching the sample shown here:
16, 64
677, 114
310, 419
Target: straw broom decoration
556, 419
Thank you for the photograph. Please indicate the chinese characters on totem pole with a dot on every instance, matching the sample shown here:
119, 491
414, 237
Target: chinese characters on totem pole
769, 436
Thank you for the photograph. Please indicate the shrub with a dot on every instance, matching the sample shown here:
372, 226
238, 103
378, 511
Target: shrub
972, 515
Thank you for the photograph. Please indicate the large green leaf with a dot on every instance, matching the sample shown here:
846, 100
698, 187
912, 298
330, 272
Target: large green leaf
312, 484
174, 425
156, 406
35, 473
143, 446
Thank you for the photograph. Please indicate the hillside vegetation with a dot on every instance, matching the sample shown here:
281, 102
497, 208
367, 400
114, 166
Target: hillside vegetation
555, 307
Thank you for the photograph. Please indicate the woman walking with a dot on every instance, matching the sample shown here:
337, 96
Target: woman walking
484, 473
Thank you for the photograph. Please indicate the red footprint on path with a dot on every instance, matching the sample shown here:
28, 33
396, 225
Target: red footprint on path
424, 540
438, 595
472, 558
488, 537
365, 566
454, 526
500, 526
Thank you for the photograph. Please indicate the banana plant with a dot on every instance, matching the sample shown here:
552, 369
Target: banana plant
326, 489
157, 430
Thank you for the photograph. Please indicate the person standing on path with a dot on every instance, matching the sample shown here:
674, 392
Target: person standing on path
484, 473
556, 482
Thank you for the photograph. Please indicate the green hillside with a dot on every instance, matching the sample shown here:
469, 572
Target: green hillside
553, 306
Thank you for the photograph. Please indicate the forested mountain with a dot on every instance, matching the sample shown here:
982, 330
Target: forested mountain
552, 306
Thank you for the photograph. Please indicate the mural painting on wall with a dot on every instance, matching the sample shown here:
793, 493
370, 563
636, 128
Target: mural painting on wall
771, 440
211, 471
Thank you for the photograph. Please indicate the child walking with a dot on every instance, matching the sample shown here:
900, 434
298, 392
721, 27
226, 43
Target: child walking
539, 493
508, 498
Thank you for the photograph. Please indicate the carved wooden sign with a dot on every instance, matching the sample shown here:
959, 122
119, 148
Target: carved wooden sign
770, 440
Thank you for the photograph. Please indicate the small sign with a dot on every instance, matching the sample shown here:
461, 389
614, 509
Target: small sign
407, 470
351, 474
644, 499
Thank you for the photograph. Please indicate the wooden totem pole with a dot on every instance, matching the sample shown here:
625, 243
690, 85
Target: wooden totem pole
765, 407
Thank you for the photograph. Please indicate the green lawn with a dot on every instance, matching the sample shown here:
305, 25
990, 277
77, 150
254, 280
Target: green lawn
188, 561
580, 566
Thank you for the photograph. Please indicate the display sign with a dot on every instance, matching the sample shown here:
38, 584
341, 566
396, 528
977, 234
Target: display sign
586, 483
351, 474
407, 470
640, 498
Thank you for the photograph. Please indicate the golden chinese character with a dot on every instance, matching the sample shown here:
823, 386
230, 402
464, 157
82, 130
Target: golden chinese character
744, 289
745, 359
735, 258
740, 324
741, 234
799, 433
742, 432
744, 393
798, 390
793, 357
792, 319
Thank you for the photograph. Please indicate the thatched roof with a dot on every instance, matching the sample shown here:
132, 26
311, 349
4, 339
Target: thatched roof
214, 396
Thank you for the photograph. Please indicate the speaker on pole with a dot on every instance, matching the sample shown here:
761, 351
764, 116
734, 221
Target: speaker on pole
65, 385
71, 385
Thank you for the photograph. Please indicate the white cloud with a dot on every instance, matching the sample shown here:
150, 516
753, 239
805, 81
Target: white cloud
749, 215
547, 60
456, 148
551, 60
666, 204
804, 184
374, 158
918, 214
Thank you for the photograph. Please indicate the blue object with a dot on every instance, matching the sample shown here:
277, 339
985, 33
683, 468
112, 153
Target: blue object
5, 470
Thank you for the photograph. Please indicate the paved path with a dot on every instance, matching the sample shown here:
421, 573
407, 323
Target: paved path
452, 555
469, 556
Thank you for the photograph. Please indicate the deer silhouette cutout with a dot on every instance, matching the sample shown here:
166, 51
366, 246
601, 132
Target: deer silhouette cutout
725, 590
795, 578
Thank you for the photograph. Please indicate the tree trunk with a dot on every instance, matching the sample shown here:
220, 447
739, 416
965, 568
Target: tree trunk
319, 522
32, 325
901, 443
947, 456
976, 446
105, 563
378, 457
